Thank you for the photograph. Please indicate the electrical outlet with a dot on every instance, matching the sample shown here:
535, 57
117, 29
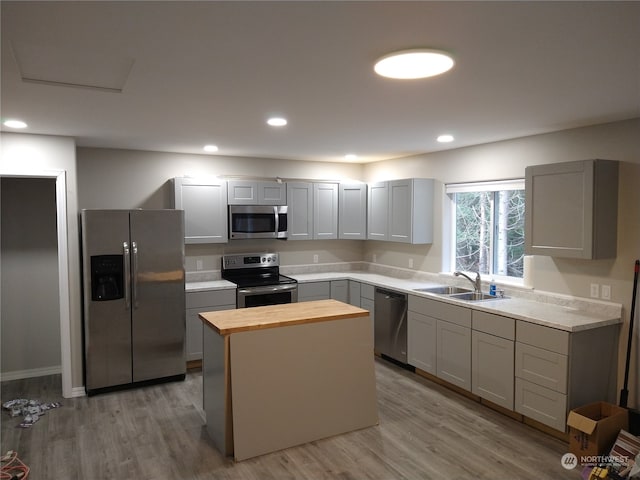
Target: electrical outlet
595, 290
315, 258
411, 263
199, 264
606, 292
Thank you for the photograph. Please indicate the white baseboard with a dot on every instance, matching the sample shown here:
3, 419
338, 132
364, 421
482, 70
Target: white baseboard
34, 372
78, 392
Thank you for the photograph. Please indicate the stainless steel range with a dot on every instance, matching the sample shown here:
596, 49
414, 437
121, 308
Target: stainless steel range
258, 278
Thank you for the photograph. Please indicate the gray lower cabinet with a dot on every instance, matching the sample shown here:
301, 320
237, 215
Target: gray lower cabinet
492, 358
196, 303
367, 301
557, 370
355, 292
421, 341
442, 330
311, 291
340, 290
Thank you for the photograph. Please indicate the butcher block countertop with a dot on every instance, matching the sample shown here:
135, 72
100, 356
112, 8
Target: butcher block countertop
226, 322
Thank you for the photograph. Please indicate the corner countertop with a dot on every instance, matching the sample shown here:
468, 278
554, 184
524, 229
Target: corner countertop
563, 313
245, 319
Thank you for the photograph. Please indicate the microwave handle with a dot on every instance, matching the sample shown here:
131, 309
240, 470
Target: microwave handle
277, 218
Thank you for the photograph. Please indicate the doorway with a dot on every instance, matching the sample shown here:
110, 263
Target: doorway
46, 295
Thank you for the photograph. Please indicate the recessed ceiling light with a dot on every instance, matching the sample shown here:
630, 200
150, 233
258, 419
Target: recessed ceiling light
416, 63
277, 121
210, 148
351, 156
445, 138
15, 124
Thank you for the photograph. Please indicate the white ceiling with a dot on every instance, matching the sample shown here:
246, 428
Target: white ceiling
193, 73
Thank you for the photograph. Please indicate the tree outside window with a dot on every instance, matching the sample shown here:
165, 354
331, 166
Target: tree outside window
489, 229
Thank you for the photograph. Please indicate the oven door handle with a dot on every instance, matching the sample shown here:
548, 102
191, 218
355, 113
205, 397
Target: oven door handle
267, 289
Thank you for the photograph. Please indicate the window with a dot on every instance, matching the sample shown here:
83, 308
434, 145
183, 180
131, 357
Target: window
488, 227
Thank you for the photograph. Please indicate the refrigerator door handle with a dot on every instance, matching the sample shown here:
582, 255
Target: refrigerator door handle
127, 275
134, 289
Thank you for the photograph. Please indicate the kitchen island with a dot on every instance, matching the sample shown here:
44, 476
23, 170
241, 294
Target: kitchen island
283, 375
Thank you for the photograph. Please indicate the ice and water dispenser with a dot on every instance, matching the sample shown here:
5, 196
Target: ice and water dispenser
107, 277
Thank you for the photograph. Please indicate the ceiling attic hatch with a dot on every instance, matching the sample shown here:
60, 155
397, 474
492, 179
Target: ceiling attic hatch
71, 67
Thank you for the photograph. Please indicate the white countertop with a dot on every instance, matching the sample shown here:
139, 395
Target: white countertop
563, 317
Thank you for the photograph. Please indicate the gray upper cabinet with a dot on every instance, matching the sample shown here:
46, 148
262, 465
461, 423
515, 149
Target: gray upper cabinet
325, 211
401, 211
247, 192
300, 214
572, 209
313, 211
352, 211
205, 209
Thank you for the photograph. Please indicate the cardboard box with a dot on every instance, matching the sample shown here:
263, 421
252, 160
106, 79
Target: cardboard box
594, 428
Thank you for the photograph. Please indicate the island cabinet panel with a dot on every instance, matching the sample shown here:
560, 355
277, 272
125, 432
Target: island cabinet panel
204, 202
572, 209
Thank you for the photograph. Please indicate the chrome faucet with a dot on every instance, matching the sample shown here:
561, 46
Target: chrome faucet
477, 285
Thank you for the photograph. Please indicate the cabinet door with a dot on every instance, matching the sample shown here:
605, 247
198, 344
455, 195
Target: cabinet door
542, 404
355, 291
453, 360
400, 212
272, 193
242, 192
194, 333
369, 304
325, 211
205, 209
340, 290
492, 371
300, 214
378, 211
352, 211
314, 291
571, 209
421, 341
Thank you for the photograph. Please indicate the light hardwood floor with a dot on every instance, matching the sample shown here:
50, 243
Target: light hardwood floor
157, 432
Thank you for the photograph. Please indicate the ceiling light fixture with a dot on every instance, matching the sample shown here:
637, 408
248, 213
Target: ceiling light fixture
351, 156
416, 63
210, 148
277, 121
15, 124
445, 138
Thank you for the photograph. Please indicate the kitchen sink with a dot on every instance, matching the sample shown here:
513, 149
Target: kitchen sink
445, 290
474, 296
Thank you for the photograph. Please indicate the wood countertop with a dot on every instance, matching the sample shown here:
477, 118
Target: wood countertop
226, 322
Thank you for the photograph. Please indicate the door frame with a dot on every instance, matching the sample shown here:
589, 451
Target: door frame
60, 177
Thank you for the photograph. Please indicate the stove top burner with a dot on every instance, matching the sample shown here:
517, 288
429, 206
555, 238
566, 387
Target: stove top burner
254, 270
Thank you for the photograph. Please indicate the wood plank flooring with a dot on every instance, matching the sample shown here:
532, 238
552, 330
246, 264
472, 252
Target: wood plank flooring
157, 432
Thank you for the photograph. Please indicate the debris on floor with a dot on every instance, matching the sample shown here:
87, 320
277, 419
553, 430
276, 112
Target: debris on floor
12, 467
31, 410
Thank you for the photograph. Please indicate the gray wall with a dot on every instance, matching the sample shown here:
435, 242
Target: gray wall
29, 253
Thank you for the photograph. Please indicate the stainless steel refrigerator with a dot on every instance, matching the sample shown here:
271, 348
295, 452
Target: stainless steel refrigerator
134, 298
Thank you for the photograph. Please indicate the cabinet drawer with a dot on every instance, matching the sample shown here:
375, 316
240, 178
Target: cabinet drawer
211, 297
441, 310
542, 367
494, 324
367, 291
541, 404
543, 337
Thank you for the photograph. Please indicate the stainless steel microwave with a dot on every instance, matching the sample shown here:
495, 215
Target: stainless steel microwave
257, 221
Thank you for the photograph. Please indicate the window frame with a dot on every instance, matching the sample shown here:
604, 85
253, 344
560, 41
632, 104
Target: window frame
449, 250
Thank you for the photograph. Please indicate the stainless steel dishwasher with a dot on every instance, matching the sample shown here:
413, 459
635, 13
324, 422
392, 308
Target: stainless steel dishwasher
390, 328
